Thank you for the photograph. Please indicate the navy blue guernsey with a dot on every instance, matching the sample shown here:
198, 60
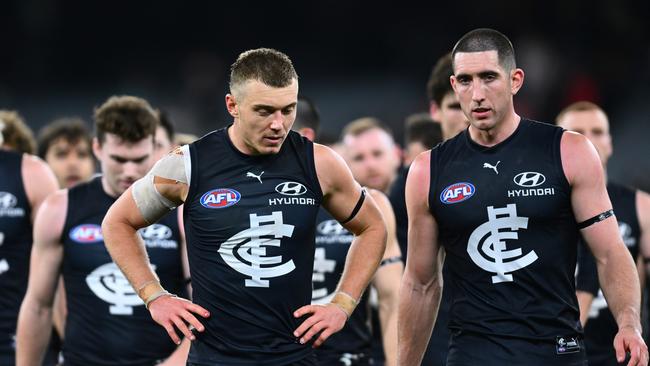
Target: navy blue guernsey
249, 223
601, 326
506, 222
107, 323
352, 343
15, 247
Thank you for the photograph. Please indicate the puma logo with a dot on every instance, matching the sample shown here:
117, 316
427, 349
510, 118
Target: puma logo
493, 167
251, 175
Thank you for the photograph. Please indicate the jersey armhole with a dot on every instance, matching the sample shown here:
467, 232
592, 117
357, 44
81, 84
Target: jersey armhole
190, 162
557, 156
311, 170
433, 180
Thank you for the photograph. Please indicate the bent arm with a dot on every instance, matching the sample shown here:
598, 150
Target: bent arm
342, 193
39, 181
142, 204
421, 287
387, 281
616, 269
643, 213
35, 318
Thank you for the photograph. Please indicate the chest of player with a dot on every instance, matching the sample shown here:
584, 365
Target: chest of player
255, 198
85, 252
15, 224
497, 188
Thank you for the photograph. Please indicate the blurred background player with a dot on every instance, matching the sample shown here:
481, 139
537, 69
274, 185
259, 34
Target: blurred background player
370, 151
632, 210
26, 182
421, 133
17, 136
65, 144
353, 344
444, 107
165, 135
107, 323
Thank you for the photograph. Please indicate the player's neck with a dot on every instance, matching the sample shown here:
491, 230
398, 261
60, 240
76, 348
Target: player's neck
236, 138
497, 133
107, 187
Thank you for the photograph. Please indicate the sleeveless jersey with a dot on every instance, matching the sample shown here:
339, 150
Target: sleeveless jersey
15, 248
107, 323
601, 326
506, 222
353, 341
249, 222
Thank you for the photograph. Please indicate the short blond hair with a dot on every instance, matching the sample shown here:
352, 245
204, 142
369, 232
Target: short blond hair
581, 106
16, 134
364, 124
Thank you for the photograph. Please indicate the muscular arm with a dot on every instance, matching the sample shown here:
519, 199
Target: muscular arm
127, 249
643, 213
616, 270
341, 194
387, 281
39, 181
587, 285
35, 318
421, 288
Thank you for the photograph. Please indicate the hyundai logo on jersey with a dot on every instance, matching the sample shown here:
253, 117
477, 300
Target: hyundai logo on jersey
529, 179
291, 189
87, 233
457, 192
220, 198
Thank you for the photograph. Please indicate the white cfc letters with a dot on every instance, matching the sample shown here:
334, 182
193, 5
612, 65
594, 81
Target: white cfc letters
110, 285
503, 224
251, 259
322, 266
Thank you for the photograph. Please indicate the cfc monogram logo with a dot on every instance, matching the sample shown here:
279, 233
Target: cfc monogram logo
493, 234
110, 285
249, 258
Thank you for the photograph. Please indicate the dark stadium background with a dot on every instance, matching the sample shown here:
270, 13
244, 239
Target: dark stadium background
354, 58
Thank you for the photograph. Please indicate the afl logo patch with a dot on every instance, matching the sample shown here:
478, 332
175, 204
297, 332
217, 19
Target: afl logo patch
220, 198
457, 192
87, 234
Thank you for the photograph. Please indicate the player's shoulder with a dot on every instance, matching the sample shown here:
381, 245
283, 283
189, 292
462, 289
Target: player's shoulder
34, 166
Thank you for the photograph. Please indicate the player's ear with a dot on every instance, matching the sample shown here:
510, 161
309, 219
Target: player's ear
232, 106
516, 80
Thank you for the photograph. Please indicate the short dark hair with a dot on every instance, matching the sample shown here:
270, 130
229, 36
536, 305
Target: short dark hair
439, 85
72, 130
486, 39
421, 128
307, 115
166, 123
16, 134
269, 66
130, 118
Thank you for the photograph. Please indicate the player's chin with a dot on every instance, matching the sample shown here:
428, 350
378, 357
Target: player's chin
270, 148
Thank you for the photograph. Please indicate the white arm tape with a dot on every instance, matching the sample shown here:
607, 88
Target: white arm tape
150, 202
